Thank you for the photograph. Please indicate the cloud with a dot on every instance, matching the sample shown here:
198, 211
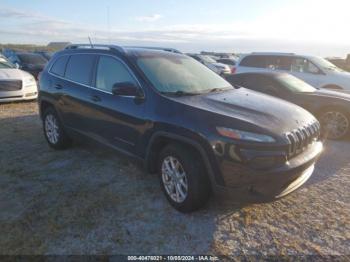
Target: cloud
284, 29
151, 18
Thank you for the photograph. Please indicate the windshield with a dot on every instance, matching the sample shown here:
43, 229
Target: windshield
32, 59
325, 64
294, 84
172, 73
5, 64
207, 59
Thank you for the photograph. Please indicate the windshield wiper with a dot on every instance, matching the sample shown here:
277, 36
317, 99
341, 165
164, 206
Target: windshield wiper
180, 93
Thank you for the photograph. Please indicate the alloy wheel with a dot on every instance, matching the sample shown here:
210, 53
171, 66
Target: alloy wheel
51, 129
174, 179
336, 124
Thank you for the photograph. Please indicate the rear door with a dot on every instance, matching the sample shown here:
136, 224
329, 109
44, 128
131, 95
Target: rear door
73, 89
116, 120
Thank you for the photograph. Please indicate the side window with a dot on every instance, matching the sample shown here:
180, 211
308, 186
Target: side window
111, 71
302, 65
59, 66
266, 86
79, 68
260, 83
258, 61
283, 63
236, 80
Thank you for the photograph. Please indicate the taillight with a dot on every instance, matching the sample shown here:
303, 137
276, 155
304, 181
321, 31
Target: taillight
233, 70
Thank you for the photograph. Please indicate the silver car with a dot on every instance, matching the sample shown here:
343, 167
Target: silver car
219, 68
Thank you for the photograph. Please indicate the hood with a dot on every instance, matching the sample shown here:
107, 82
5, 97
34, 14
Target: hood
13, 73
253, 108
330, 94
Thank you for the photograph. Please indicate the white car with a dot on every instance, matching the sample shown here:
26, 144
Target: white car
16, 84
316, 71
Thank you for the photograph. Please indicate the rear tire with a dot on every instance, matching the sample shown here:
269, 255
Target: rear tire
54, 132
183, 178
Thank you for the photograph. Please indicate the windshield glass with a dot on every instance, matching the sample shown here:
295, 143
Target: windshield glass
5, 64
294, 84
32, 59
171, 73
207, 59
325, 64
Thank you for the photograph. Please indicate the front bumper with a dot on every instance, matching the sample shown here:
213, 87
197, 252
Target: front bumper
274, 182
26, 93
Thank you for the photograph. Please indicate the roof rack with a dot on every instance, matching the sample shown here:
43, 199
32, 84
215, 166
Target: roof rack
97, 46
172, 50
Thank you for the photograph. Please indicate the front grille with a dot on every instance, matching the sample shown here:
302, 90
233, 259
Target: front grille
299, 139
10, 85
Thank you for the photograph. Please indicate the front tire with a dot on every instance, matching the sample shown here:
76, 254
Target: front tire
335, 123
183, 178
53, 130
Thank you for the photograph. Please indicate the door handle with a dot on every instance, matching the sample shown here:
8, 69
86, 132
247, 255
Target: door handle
95, 98
58, 86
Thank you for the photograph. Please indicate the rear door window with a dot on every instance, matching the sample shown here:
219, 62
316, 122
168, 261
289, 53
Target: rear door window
258, 61
79, 68
59, 66
259, 83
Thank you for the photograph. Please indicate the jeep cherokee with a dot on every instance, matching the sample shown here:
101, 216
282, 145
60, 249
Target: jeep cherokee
180, 119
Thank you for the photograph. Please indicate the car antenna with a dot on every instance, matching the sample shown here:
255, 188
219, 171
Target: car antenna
92, 46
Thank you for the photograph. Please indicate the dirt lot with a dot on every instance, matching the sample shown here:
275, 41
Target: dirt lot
92, 201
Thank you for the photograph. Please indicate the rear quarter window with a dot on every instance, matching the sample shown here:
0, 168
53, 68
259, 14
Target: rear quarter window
257, 61
59, 66
79, 68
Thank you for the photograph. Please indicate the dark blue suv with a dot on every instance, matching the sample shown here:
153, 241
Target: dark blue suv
184, 122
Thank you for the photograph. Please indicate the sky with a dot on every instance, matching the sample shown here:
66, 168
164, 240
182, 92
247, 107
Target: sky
301, 26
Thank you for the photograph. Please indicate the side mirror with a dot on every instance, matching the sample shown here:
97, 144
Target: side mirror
127, 89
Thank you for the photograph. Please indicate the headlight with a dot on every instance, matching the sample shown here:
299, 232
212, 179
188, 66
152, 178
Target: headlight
244, 135
29, 81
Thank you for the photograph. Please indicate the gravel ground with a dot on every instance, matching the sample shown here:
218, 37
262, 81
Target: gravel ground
90, 200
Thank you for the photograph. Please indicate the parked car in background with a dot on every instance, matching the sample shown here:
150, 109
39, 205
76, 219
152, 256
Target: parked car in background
332, 108
46, 54
15, 84
180, 119
230, 62
316, 71
220, 69
29, 62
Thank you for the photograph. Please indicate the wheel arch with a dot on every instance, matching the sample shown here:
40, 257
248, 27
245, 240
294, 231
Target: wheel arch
160, 139
44, 104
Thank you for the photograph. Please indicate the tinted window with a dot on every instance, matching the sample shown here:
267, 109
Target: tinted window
59, 66
79, 68
258, 83
111, 71
255, 61
32, 59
